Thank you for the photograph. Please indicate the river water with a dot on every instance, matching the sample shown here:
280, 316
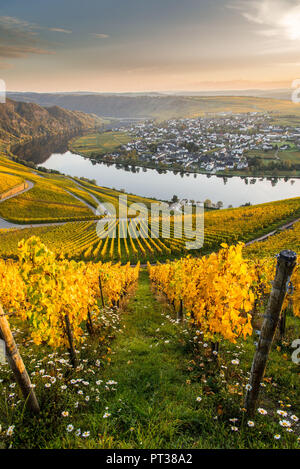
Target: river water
52, 153
233, 191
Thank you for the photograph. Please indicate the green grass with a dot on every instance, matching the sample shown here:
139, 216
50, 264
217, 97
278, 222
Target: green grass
267, 156
159, 372
99, 143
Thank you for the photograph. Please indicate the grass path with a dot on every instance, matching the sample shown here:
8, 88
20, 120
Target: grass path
149, 390
146, 395
153, 405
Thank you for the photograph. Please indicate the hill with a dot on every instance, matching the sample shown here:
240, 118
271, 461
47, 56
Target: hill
21, 121
157, 106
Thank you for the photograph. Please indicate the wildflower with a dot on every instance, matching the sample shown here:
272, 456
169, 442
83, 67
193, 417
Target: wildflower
234, 429
65, 413
86, 434
248, 387
70, 428
48, 385
235, 361
106, 415
198, 399
294, 418
262, 411
250, 423
282, 413
78, 432
285, 423
277, 436
10, 430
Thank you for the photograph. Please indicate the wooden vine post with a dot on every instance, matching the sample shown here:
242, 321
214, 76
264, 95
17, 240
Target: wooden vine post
180, 311
72, 350
16, 363
101, 290
90, 326
286, 263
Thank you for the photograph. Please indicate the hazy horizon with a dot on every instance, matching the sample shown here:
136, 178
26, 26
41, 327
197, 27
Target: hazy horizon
162, 92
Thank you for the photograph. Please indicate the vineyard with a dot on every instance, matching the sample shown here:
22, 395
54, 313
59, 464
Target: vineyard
96, 367
81, 241
104, 354
219, 291
65, 289
287, 239
53, 198
8, 181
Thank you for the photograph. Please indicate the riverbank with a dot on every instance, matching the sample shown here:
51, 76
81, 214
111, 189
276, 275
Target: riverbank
161, 167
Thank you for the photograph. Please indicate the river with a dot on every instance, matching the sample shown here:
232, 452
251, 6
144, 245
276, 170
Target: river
52, 153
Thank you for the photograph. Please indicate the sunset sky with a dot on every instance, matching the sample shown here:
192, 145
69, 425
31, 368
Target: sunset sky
149, 45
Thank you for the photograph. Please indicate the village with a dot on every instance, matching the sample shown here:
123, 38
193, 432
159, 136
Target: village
207, 144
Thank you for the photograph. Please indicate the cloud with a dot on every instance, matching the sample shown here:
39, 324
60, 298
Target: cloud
22, 51
277, 18
19, 38
100, 36
60, 30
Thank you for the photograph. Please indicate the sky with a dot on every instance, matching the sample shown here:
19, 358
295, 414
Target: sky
149, 45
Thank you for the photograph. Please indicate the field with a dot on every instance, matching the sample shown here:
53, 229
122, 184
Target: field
99, 143
291, 155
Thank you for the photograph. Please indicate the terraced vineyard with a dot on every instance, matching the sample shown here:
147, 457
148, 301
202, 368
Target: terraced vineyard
287, 239
8, 181
82, 240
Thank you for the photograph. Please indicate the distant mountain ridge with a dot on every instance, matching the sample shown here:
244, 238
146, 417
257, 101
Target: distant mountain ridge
21, 121
158, 105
